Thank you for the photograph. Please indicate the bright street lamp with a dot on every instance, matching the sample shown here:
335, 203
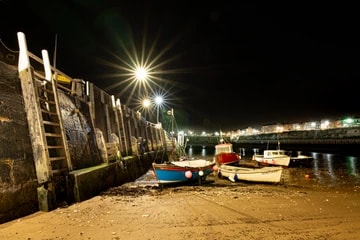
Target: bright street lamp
141, 74
158, 101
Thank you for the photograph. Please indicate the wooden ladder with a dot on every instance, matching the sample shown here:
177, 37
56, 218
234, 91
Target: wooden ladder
54, 138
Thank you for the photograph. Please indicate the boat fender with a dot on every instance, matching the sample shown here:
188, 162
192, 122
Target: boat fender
188, 174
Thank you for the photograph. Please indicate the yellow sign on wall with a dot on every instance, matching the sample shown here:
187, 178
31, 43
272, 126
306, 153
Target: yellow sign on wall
62, 79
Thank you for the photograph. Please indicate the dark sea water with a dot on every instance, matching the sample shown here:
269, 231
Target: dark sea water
328, 170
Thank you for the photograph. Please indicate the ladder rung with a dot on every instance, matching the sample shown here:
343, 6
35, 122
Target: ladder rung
56, 171
57, 158
47, 101
47, 90
51, 123
52, 113
53, 135
55, 147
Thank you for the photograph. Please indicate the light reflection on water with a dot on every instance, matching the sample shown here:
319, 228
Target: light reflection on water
201, 152
351, 166
327, 170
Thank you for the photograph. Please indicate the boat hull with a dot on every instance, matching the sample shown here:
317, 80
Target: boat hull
184, 172
227, 158
262, 174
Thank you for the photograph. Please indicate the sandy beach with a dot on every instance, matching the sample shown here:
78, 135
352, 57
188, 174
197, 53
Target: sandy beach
218, 209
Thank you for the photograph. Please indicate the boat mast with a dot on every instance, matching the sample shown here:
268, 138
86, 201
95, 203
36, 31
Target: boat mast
172, 122
171, 113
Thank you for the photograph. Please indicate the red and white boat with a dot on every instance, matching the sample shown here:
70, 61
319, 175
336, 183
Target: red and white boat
224, 154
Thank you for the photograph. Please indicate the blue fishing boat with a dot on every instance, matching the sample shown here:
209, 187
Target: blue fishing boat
186, 171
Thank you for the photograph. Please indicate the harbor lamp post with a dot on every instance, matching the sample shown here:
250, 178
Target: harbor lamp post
158, 101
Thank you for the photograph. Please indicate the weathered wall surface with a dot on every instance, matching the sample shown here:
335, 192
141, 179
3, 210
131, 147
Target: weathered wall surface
80, 132
18, 180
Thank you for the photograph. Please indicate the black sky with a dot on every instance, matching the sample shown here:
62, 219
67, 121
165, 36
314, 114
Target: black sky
228, 65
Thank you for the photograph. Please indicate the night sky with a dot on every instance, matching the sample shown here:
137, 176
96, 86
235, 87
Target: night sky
221, 65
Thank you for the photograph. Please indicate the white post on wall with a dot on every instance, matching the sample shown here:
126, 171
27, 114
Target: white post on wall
118, 104
87, 88
24, 61
47, 66
113, 101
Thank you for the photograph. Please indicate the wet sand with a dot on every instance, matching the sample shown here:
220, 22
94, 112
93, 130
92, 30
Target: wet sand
217, 209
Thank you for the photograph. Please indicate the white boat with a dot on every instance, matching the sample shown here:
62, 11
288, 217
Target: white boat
273, 157
261, 174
